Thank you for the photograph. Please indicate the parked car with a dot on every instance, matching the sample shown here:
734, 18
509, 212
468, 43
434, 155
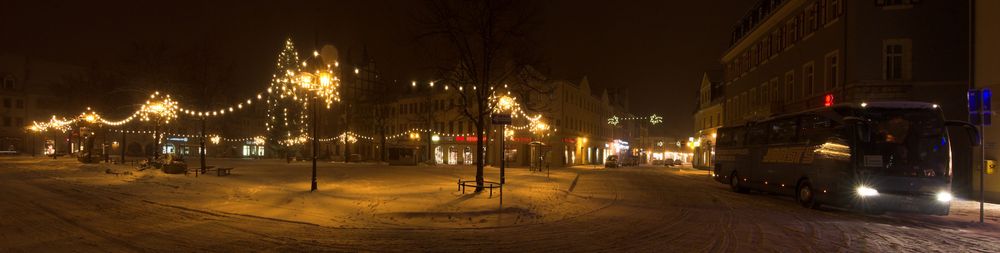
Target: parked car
611, 162
677, 162
631, 161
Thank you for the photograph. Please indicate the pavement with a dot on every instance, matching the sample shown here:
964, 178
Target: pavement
54, 206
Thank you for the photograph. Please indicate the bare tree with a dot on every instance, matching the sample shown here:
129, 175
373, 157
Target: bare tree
479, 45
207, 74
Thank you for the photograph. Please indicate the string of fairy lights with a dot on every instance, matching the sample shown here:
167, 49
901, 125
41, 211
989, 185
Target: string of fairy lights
287, 100
166, 109
653, 119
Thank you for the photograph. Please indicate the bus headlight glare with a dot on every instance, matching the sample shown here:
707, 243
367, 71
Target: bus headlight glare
944, 196
866, 191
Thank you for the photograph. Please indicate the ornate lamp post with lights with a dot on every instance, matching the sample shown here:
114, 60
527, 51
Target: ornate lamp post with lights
320, 84
90, 118
540, 129
504, 105
158, 109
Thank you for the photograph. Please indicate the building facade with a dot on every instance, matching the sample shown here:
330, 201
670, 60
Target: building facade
26, 95
707, 119
428, 124
986, 61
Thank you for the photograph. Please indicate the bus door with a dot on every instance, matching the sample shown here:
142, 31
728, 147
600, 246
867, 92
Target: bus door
731, 154
756, 143
783, 154
829, 156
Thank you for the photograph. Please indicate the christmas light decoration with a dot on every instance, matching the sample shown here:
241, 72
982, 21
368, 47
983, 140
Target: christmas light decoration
163, 109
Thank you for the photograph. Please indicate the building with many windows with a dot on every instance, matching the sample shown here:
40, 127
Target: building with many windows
793, 55
426, 123
26, 95
708, 118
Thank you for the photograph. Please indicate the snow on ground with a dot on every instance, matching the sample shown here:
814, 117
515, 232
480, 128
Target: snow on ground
351, 195
61, 205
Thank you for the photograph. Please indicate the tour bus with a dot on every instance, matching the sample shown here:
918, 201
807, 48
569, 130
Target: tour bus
873, 157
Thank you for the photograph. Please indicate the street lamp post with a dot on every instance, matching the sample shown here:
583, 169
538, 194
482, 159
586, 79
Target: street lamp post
156, 139
431, 154
504, 104
90, 118
503, 153
315, 141
201, 145
321, 84
33, 141
121, 147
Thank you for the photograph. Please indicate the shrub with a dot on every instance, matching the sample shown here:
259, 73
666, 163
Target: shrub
174, 168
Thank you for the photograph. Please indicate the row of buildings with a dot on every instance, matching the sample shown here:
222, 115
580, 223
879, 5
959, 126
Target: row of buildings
376, 120
425, 123
793, 55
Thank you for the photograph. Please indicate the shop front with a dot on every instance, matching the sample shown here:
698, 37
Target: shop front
454, 150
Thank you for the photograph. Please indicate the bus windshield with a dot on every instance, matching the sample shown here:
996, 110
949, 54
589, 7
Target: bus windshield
911, 142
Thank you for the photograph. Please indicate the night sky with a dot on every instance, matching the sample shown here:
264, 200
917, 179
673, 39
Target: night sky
656, 49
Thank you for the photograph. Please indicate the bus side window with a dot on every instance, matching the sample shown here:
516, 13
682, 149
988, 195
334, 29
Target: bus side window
817, 129
725, 138
739, 134
783, 131
757, 134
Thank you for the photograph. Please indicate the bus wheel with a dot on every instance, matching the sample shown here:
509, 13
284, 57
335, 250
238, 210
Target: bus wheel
805, 196
734, 184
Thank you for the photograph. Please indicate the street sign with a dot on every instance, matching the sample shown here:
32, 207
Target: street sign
502, 119
980, 113
980, 106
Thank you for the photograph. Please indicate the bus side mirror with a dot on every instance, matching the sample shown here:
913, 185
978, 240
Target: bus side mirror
971, 129
862, 127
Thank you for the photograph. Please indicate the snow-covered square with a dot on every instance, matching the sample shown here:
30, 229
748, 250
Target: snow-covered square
266, 205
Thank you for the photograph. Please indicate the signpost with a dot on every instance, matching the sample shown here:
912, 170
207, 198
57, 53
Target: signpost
502, 119
981, 113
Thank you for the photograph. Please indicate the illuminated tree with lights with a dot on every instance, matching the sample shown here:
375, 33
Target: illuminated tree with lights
286, 114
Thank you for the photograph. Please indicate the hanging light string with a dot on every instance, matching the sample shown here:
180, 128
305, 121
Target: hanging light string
221, 111
62, 125
653, 119
162, 108
210, 136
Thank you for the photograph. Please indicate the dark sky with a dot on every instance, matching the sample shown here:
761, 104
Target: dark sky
656, 49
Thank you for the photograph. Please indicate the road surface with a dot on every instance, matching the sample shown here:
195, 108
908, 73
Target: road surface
651, 210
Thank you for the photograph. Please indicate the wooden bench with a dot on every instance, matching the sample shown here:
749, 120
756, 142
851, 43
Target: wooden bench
486, 184
223, 171
197, 171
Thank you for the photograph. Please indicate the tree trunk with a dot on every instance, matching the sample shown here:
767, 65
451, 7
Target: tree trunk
481, 151
202, 144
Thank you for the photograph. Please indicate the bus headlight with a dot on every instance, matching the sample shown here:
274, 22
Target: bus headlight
944, 196
866, 191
